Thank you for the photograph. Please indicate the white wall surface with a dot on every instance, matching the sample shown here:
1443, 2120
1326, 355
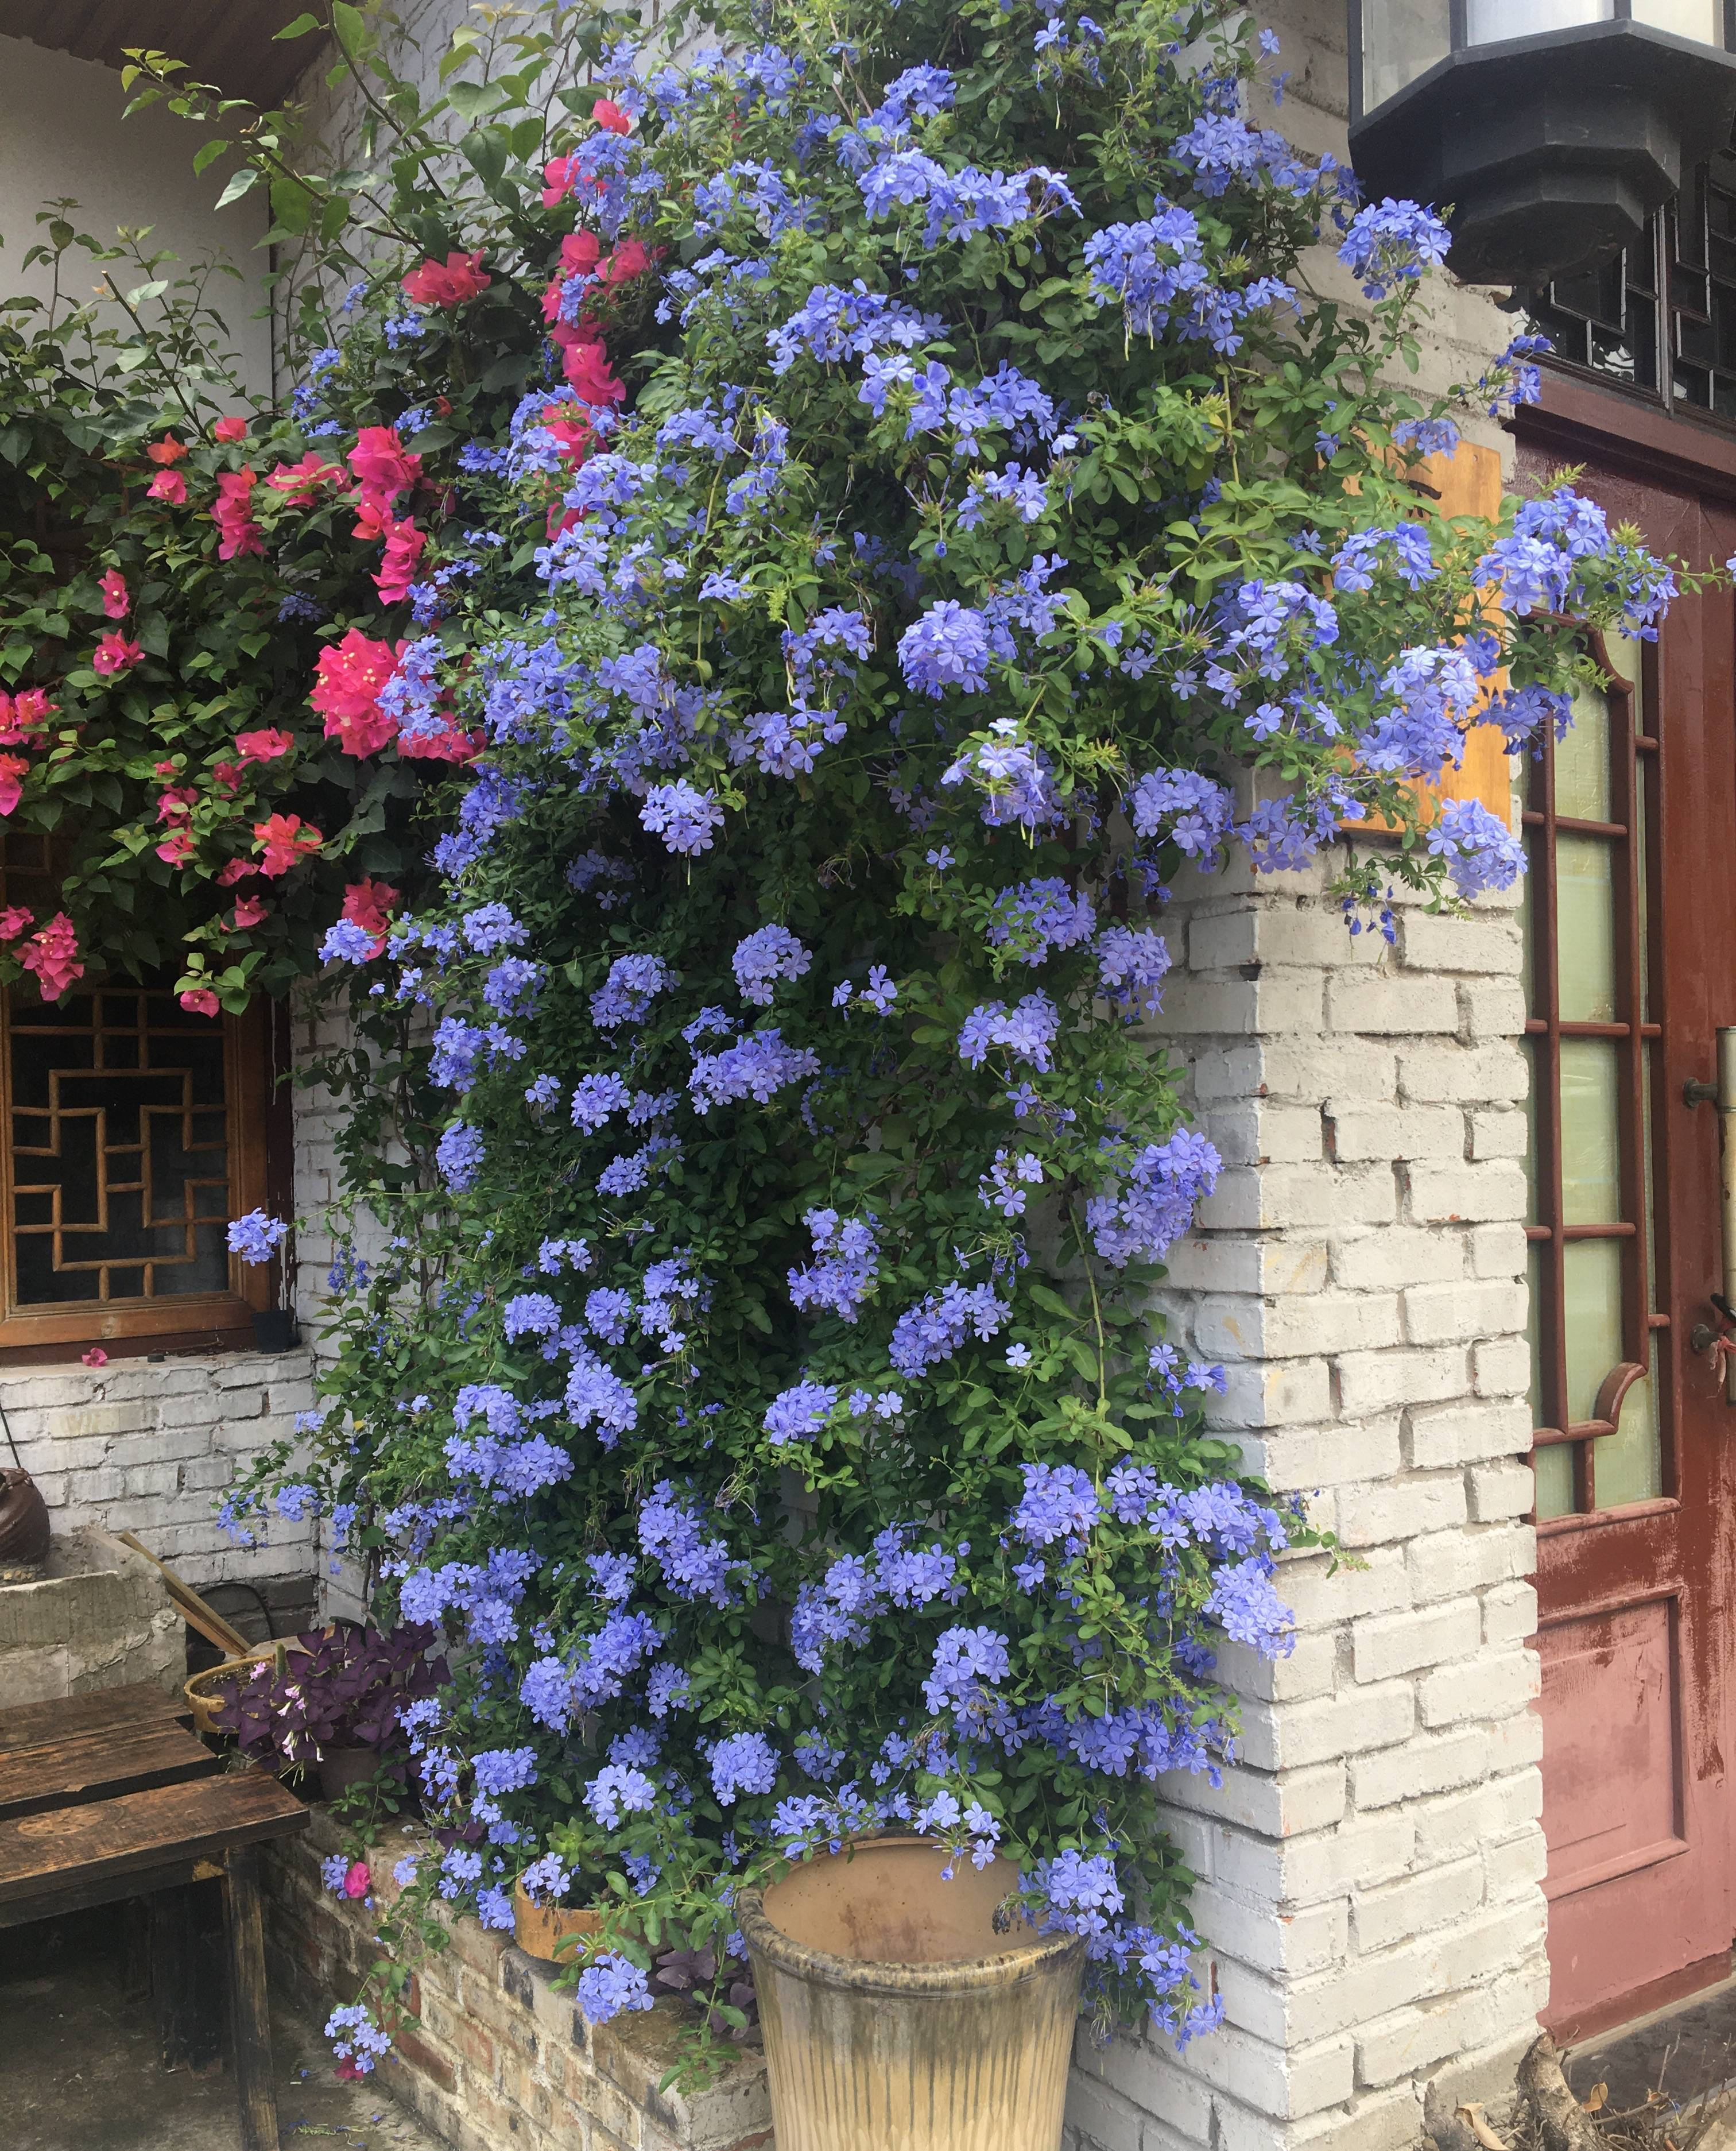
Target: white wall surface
65, 136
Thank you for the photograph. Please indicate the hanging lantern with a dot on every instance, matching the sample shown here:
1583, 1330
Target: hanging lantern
1552, 129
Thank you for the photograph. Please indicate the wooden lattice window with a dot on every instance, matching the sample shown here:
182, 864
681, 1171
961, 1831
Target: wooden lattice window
134, 1132
1593, 1031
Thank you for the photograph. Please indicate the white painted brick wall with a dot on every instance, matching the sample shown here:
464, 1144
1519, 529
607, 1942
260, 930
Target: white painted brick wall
151, 1447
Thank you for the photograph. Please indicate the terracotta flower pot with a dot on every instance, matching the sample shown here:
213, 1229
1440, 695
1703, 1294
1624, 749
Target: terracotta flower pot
23, 1520
896, 2019
540, 1930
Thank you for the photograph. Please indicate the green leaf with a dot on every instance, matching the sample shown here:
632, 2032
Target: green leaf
203, 158
241, 183
485, 152
299, 28
292, 206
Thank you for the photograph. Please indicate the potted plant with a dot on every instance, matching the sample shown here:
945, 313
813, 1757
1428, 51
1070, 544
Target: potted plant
333, 1707
553, 1910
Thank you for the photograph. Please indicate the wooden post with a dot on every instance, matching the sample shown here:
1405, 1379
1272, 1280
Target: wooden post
189, 2029
250, 2009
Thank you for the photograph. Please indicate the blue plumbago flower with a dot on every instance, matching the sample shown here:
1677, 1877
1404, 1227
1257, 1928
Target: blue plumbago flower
346, 943
459, 1154
633, 984
771, 954
256, 1237
546, 1878
356, 2038
967, 1664
1480, 851
1038, 916
799, 1412
1003, 1186
745, 1763
611, 1987
1028, 1031
1059, 1503
844, 1269
1392, 243
938, 1327
1156, 1199
297, 1502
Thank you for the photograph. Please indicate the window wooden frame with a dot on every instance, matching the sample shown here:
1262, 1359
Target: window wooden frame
208, 1321
1634, 857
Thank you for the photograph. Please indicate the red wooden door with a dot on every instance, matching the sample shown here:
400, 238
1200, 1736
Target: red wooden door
1632, 947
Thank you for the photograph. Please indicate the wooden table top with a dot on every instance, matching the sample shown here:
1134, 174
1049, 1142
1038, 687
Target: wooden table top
106, 1787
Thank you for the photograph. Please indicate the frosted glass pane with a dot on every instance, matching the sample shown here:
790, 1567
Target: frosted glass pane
1586, 915
1699, 19
1590, 1124
1591, 1308
1641, 871
1400, 40
1552, 1469
1532, 1217
1534, 1331
1624, 652
1487, 20
1582, 761
1628, 1463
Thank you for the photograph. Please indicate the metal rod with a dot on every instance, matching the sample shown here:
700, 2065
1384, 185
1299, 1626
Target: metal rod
10, 1437
1727, 1170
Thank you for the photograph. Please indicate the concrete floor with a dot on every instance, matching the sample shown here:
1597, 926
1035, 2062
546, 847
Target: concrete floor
79, 2070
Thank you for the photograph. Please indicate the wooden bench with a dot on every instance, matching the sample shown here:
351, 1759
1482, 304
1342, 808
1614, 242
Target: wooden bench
107, 1796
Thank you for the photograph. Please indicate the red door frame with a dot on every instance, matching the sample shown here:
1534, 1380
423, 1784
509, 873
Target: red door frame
1637, 1607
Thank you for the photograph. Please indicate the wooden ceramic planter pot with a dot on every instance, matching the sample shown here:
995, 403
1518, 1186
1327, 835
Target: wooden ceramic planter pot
896, 2019
539, 1929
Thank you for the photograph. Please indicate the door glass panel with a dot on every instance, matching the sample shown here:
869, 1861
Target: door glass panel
1629, 1462
1592, 1312
1586, 916
1531, 1135
1553, 1468
1582, 761
1591, 1125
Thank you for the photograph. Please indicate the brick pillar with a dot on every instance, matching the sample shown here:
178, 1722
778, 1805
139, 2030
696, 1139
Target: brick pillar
1369, 1875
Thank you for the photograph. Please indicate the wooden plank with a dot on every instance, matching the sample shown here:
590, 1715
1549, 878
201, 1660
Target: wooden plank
249, 2013
33, 1724
186, 1998
191, 1607
111, 1839
96, 1766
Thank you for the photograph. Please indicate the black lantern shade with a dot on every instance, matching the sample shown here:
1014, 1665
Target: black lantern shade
1552, 129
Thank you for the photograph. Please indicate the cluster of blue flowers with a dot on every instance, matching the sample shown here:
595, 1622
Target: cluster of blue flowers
785, 994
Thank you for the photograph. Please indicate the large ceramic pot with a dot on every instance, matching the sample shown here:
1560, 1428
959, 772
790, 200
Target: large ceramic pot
896, 2018
549, 1932
23, 1520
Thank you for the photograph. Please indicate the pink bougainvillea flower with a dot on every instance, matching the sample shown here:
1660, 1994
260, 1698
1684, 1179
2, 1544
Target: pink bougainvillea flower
177, 802
229, 429
382, 467
177, 849
13, 770
368, 904
115, 654
226, 777
264, 746
168, 450
200, 1001
116, 599
95, 1357
453, 282
450, 744
347, 693
631, 258
608, 114
236, 870
585, 362
171, 486
284, 839
53, 955
22, 717
404, 547
249, 911
299, 483
357, 1880
232, 512
15, 921
558, 181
